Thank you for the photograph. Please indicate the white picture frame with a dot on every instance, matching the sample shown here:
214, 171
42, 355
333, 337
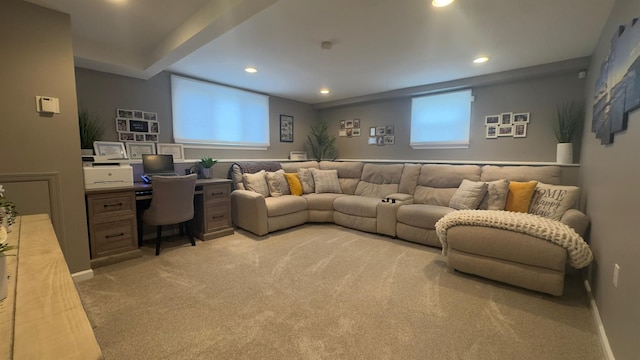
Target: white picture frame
177, 150
137, 149
505, 130
520, 130
521, 118
114, 150
506, 118
491, 132
492, 120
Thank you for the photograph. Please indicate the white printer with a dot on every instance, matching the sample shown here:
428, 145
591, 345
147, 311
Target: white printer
100, 172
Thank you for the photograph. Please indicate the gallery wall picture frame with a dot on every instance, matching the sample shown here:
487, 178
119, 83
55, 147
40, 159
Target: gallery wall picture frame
137, 125
342, 132
126, 136
389, 130
372, 131
380, 130
520, 130
492, 120
137, 149
372, 140
505, 130
286, 128
356, 123
521, 118
355, 132
113, 150
177, 150
505, 118
492, 132
389, 139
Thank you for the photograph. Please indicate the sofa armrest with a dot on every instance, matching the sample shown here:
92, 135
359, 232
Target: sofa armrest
577, 220
249, 211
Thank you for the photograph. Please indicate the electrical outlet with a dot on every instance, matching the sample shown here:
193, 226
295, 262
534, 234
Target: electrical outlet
616, 273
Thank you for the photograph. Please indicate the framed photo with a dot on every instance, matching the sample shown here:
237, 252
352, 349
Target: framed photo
154, 127
380, 130
372, 140
356, 131
521, 118
138, 126
372, 131
139, 137
151, 137
388, 130
505, 130
286, 128
505, 118
356, 123
492, 132
297, 155
137, 114
349, 132
519, 130
342, 124
342, 132
123, 113
492, 120
177, 150
389, 139
380, 139
150, 116
126, 136
114, 150
348, 124
136, 149
122, 125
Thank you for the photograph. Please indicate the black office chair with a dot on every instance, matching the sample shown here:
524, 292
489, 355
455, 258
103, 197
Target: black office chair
171, 203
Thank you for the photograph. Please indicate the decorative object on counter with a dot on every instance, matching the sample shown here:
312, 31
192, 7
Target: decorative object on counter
207, 163
286, 128
91, 129
177, 150
320, 144
115, 150
136, 150
8, 211
568, 122
137, 125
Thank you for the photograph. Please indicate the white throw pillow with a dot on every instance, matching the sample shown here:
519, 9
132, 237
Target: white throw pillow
306, 179
326, 181
256, 183
469, 195
277, 183
496, 197
552, 201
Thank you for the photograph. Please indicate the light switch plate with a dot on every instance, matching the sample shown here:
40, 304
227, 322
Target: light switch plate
47, 105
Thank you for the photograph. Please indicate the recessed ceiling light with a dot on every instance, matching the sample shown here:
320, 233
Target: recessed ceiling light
251, 70
481, 59
441, 3
324, 91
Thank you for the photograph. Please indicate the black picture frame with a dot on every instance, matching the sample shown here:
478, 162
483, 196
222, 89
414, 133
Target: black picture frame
286, 128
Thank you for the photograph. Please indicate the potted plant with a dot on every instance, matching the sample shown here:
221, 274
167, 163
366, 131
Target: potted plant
320, 144
91, 129
206, 163
8, 211
568, 122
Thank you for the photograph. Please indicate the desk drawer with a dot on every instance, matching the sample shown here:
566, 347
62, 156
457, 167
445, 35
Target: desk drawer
216, 217
112, 204
113, 237
216, 193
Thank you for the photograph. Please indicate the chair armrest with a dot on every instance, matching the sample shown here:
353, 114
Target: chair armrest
249, 211
577, 220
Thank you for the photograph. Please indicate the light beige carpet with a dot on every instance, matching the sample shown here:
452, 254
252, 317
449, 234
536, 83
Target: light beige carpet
320, 291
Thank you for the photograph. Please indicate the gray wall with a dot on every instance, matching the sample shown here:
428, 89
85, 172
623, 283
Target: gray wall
41, 166
610, 177
537, 96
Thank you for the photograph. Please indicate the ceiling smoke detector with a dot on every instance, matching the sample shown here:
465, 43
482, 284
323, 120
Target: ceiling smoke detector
326, 45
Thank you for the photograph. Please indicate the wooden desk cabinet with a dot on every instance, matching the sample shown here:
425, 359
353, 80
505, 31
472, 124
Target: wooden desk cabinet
212, 217
111, 216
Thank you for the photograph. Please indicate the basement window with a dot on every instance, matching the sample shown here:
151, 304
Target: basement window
441, 121
218, 116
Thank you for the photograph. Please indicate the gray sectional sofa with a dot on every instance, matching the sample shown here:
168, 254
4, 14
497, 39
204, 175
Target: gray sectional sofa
406, 201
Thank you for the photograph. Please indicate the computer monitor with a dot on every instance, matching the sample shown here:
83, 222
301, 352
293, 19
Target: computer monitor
157, 164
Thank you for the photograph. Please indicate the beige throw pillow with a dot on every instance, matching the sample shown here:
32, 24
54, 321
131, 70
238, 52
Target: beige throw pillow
496, 197
326, 181
256, 183
306, 179
277, 183
468, 195
552, 201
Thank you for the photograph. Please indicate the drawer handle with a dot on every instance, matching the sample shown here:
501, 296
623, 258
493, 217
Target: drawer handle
217, 217
217, 193
112, 236
118, 204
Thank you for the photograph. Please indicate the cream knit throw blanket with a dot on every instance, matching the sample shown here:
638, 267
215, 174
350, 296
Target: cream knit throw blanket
578, 250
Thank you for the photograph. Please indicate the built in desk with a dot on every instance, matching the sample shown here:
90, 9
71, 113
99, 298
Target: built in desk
112, 215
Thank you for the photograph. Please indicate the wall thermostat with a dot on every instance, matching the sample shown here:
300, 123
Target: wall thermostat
47, 105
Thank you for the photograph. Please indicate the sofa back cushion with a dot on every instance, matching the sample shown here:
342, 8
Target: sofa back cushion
409, 178
545, 174
379, 180
438, 183
349, 174
292, 167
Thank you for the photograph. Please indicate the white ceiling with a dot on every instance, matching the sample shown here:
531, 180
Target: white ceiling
379, 45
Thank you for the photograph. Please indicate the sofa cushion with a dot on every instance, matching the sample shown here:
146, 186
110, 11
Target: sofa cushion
469, 195
438, 183
286, 204
409, 178
433, 196
357, 205
306, 179
326, 181
295, 186
552, 201
277, 183
321, 201
349, 174
422, 215
256, 183
546, 174
520, 194
293, 166
496, 197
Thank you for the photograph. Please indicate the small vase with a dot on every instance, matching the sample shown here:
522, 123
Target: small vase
206, 173
564, 153
4, 280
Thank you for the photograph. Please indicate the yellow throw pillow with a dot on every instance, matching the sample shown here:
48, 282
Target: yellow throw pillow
520, 194
294, 183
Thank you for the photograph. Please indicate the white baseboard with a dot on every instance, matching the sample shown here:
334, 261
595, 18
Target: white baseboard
604, 341
82, 275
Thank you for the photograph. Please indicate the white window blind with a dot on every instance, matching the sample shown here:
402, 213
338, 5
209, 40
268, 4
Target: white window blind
219, 116
441, 121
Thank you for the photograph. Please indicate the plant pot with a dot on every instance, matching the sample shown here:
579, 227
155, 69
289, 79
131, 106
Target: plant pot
564, 153
206, 173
